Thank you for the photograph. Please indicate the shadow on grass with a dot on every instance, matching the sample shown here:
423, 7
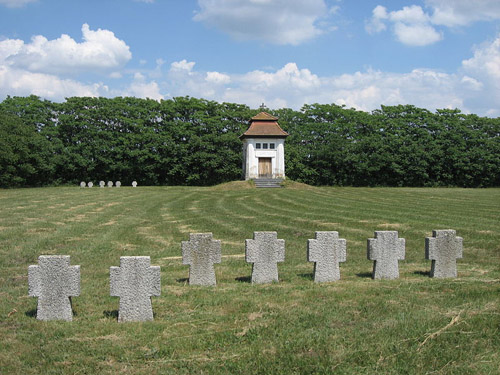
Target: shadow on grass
423, 273
364, 274
32, 313
307, 276
111, 314
244, 279
183, 280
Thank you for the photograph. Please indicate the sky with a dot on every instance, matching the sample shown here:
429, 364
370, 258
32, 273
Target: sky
433, 54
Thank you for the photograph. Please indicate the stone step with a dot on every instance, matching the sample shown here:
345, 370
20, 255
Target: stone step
267, 182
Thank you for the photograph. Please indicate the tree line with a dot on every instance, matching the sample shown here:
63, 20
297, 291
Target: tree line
190, 141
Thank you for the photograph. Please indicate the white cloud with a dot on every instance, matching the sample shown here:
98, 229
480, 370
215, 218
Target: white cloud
23, 83
482, 76
463, 12
474, 88
377, 22
218, 78
142, 89
419, 34
275, 21
182, 66
99, 51
486, 62
412, 26
43, 67
16, 3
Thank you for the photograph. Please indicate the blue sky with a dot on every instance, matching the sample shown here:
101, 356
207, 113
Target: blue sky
285, 53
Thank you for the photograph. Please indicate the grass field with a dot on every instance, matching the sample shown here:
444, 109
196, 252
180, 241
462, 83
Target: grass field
413, 325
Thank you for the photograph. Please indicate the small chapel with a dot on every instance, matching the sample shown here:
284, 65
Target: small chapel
264, 148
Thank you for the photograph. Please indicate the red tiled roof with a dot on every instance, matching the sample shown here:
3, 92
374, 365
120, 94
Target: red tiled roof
264, 125
264, 116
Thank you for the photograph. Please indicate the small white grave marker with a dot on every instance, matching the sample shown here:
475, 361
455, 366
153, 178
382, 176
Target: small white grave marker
118, 184
385, 250
134, 183
443, 248
327, 250
83, 184
90, 184
54, 282
102, 184
200, 253
135, 281
110, 183
264, 251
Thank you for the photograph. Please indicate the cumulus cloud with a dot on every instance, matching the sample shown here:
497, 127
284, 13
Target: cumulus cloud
275, 21
43, 67
16, 3
482, 73
142, 89
413, 26
486, 61
217, 78
463, 12
182, 66
475, 87
23, 83
99, 51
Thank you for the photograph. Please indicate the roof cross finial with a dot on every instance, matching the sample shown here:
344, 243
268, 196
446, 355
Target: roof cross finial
263, 106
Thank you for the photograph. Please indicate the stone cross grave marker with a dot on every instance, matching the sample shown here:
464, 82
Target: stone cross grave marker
83, 184
327, 250
110, 183
135, 281
118, 184
54, 282
443, 248
90, 184
264, 251
200, 253
134, 183
102, 184
385, 250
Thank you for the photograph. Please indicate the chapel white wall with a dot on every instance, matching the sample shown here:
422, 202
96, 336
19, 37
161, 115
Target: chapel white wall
251, 157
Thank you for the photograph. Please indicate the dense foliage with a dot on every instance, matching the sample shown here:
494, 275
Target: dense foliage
188, 141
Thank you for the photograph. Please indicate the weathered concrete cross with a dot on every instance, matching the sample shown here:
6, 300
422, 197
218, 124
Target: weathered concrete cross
54, 282
443, 248
386, 249
264, 251
327, 250
200, 253
135, 281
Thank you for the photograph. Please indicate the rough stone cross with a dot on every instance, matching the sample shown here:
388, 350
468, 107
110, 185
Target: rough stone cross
264, 251
385, 250
327, 250
443, 248
200, 253
135, 281
54, 282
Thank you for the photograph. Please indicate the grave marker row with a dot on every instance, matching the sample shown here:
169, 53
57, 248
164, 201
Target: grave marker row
54, 281
103, 184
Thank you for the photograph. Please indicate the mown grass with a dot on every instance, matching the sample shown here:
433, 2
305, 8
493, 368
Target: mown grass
413, 325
